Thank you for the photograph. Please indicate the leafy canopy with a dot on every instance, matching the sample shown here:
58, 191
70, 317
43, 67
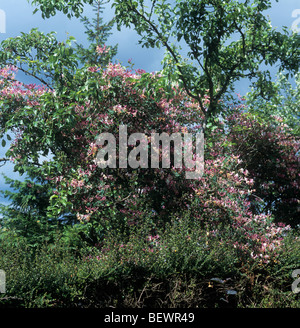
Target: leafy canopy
70, 8
224, 40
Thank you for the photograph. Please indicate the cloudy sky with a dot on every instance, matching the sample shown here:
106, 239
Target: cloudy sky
19, 18
16, 16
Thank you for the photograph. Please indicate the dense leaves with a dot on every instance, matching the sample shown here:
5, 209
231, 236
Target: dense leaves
270, 153
225, 40
40, 56
70, 7
67, 125
284, 104
234, 220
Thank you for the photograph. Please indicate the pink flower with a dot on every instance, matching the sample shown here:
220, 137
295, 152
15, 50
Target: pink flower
102, 50
93, 69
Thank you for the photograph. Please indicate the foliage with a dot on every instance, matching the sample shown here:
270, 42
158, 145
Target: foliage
50, 276
97, 34
180, 267
215, 59
70, 7
41, 56
69, 121
26, 215
51, 63
270, 152
100, 100
284, 105
136, 232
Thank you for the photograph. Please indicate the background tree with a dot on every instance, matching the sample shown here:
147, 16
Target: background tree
270, 153
225, 42
283, 108
26, 215
98, 33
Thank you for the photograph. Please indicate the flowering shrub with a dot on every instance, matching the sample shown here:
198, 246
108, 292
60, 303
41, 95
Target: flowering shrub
222, 202
270, 152
81, 234
65, 123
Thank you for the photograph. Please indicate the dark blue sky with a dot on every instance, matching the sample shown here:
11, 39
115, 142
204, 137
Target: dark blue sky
19, 18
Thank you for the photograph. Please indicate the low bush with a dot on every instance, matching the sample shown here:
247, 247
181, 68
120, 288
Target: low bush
180, 266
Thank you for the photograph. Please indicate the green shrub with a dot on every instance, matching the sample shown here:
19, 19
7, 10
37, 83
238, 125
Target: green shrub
51, 275
182, 265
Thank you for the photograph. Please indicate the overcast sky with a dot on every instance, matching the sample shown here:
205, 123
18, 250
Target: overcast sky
16, 16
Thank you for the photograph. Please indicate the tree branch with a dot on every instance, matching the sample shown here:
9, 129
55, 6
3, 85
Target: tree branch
173, 54
36, 77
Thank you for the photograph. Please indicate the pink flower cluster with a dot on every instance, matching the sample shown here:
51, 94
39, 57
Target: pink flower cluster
102, 50
10, 88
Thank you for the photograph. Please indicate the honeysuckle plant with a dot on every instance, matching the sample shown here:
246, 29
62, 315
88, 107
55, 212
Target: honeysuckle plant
61, 117
66, 124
